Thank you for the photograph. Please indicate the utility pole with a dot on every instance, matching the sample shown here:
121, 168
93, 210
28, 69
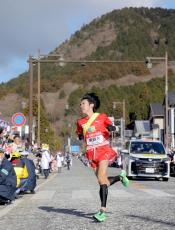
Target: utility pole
149, 65
30, 98
39, 101
122, 120
166, 101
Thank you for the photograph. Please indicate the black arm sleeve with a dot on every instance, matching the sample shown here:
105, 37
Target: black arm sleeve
111, 128
81, 137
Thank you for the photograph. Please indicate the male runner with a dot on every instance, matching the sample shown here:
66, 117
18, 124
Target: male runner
95, 129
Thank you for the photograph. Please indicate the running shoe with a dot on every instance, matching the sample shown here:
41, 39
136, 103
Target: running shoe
124, 178
100, 216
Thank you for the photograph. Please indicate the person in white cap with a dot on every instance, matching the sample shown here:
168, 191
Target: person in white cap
59, 159
45, 160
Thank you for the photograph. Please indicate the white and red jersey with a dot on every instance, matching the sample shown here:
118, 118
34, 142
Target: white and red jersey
97, 134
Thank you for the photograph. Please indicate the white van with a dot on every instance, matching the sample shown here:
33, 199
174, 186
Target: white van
146, 158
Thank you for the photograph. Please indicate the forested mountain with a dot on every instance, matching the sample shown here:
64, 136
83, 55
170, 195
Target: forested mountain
129, 34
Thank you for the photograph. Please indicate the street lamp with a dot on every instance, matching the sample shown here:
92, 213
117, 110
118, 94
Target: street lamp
41, 59
149, 65
52, 58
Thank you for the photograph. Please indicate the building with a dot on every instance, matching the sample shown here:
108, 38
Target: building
171, 118
142, 128
157, 121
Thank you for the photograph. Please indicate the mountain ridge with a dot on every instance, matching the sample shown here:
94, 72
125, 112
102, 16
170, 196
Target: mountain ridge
127, 34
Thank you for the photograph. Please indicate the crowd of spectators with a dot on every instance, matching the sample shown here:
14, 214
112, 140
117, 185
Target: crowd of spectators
21, 165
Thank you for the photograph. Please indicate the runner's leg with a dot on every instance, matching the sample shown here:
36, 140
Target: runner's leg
113, 179
103, 182
101, 172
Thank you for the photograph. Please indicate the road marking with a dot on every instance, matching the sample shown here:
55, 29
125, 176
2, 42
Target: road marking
82, 194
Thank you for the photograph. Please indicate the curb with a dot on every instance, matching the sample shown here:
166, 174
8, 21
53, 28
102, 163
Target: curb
8, 208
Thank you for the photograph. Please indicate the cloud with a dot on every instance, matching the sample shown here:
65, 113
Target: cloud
29, 25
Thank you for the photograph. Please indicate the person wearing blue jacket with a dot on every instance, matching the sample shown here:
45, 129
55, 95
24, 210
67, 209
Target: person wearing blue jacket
7, 179
29, 183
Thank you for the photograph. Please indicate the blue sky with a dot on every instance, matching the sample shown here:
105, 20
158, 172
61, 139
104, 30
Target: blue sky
29, 25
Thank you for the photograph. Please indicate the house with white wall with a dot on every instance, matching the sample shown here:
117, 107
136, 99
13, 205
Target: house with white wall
156, 118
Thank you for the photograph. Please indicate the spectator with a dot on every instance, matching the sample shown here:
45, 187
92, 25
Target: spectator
45, 160
59, 159
7, 179
2, 141
68, 161
30, 182
53, 163
20, 170
17, 144
27, 144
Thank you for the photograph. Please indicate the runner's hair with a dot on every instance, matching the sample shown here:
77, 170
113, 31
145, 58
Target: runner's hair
92, 99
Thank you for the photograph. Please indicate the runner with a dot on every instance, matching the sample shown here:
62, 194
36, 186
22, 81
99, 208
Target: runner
95, 129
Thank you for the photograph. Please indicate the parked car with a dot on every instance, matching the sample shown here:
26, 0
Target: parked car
146, 158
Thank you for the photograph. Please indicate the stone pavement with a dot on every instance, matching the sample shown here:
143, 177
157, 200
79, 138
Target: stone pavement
68, 201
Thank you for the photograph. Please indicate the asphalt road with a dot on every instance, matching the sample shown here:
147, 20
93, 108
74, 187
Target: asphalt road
68, 201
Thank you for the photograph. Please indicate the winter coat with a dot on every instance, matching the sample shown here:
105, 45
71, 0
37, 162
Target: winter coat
20, 169
45, 160
30, 183
59, 160
7, 180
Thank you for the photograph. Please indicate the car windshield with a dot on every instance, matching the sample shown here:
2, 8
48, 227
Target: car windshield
147, 147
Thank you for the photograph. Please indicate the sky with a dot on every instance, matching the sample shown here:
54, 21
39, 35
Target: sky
30, 25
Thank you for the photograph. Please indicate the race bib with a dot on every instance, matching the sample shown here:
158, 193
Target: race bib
95, 140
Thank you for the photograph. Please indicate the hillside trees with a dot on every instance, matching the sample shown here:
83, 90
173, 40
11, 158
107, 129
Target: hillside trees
137, 97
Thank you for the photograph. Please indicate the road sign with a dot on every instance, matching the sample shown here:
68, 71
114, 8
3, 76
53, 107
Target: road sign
75, 148
18, 119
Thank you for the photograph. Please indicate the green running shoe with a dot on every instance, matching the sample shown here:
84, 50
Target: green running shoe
124, 178
100, 216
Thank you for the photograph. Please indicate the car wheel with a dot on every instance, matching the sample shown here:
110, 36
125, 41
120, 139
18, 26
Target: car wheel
165, 179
